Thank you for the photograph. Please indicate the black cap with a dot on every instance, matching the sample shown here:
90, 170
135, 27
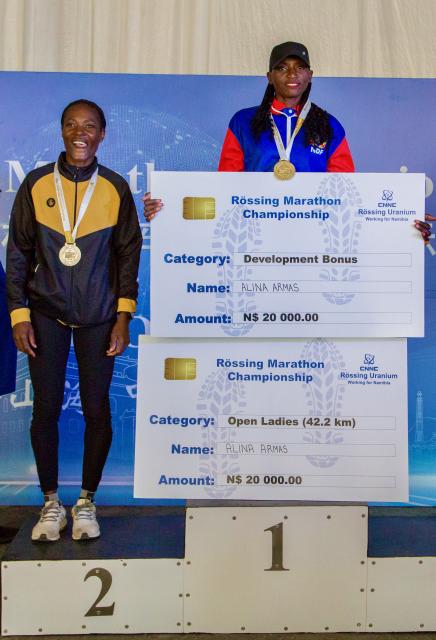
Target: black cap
282, 51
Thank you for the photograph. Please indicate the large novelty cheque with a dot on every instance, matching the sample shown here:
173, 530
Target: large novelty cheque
245, 254
272, 419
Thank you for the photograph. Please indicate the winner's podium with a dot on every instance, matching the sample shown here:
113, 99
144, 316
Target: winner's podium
265, 380
129, 580
229, 569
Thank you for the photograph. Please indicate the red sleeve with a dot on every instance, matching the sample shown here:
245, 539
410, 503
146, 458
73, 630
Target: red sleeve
232, 156
341, 161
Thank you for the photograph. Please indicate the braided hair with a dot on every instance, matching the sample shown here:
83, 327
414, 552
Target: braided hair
316, 126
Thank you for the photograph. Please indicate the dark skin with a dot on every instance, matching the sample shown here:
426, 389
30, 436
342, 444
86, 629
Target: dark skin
82, 134
424, 227
290, 79
152, 206
24, 338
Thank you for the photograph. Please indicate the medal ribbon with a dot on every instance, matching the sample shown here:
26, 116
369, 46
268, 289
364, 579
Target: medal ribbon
285, 153
70, 236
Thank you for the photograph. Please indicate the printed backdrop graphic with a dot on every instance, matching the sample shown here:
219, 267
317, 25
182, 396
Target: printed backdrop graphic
178, 123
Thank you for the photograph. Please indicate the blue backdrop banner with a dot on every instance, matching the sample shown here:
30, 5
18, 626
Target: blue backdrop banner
178, 123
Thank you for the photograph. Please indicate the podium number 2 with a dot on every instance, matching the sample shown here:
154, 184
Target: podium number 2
106, 582
277, 548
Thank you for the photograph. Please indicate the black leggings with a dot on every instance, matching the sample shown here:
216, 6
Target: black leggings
47, 372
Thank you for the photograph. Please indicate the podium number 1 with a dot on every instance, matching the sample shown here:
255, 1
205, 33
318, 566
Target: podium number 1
277, 548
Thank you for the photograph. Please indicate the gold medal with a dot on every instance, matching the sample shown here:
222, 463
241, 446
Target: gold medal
70, 254
284, 170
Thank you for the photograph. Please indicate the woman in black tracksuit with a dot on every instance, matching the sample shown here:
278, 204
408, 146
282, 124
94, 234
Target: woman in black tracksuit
73, 256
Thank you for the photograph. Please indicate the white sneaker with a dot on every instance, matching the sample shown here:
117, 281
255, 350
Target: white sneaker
85, 523
52, 521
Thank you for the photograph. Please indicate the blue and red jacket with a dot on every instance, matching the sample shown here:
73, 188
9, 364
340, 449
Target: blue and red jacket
242, 152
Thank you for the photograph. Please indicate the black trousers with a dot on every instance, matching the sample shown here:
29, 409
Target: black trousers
47, 372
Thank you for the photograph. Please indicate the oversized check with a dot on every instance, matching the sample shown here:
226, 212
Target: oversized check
245, 254
278, 419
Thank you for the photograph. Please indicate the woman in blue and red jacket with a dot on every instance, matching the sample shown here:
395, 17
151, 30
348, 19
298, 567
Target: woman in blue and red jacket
249, 145
320, 144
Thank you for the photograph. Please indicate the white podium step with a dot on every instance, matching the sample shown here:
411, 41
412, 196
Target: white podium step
276, 569
246, 569
128, 581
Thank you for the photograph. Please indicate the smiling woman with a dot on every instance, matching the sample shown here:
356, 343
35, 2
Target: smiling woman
290, 79
286, 132
83, 129
73, 257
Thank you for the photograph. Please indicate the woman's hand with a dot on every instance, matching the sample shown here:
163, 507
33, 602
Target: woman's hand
120, 337
152, 206
24, 337
424, 228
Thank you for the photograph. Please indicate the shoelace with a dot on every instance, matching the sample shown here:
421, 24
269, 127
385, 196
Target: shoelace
84, 512
50, 512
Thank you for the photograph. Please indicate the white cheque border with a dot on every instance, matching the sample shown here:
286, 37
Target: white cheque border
224, 263
239, 425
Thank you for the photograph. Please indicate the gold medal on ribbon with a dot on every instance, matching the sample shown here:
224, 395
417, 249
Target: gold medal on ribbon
70, 254
284, 170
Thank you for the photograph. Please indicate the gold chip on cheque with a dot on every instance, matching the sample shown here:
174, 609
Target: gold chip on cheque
198, 208
180, 369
